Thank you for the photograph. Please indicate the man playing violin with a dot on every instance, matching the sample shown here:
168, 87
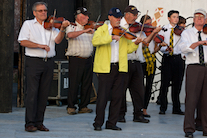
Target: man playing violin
135, 78
79, 51
111, 65
39, 46
193, 45
172, 69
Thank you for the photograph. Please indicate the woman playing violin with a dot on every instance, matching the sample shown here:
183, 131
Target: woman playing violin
79, 54
148, 66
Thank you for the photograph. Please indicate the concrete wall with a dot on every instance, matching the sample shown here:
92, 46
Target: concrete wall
186, 9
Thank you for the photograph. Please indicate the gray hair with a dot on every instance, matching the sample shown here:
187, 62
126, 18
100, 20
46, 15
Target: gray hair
38, 3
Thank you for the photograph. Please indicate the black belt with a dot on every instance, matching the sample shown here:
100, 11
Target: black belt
48, 58
168, 55
133, 61
204, 65
83, 57
115, 63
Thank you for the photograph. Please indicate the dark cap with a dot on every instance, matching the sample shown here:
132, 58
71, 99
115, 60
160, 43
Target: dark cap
132, 9
82, 10
115, 12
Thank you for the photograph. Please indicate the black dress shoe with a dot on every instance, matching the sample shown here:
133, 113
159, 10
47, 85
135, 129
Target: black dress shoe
30, 128
162, 112
204, 134
113, 128
189, 134
97, 128
42, 128
146, 115
199, 128
140, 119
178, 112
122, 119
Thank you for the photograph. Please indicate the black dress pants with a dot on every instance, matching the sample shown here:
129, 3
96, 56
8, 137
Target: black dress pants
135, 84
109, 85
172, 69
80, 74
149, 81
39, 75
196, 93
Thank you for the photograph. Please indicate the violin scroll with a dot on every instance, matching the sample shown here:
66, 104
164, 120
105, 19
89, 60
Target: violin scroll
205, 29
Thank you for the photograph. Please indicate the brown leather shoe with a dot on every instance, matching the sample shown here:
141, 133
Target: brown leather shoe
71, 111
85, 110
30, 129
42, 128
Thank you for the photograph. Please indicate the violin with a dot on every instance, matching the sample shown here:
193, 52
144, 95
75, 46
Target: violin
122, 32
179, 29
53, 22
148, 28
205, 29
128, 35
73, 24
93, 25
159, 38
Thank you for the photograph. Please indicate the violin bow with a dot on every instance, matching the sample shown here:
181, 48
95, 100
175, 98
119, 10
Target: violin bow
50, 34
97, 21
177, 42
143, 23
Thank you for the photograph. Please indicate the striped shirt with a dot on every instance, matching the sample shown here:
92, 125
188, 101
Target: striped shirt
80, 46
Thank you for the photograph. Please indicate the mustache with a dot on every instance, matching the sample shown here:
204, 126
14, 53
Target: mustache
118, 22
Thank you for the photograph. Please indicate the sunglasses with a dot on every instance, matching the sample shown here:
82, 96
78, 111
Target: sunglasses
41, 11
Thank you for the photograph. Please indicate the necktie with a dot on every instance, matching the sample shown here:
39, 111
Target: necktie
201, 55
171, 40
150, 59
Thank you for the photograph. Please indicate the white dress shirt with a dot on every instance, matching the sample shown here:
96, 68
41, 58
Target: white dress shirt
176, 40
81, 45
35, 32
114, 47
133, 55
188, 37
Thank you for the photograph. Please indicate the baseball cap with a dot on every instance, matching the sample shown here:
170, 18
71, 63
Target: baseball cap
82, 10
115, 12
132, 9
202, 11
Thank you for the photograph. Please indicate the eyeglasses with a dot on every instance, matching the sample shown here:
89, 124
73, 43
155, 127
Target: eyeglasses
199, 15
41, 11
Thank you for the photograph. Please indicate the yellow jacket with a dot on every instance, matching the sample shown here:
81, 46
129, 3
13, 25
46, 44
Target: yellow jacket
101, 40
